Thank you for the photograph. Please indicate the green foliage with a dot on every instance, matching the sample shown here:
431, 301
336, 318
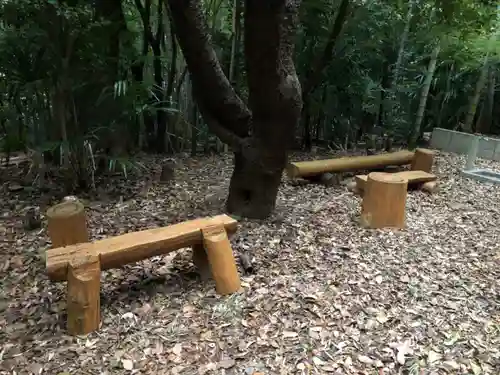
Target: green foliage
77, 82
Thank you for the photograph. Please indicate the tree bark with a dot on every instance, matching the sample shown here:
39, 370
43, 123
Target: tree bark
260, 137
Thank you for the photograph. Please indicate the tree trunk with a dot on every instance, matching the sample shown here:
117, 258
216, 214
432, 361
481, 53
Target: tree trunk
385, 106
161, 114
172, 73
443, 103
481, 82
402, 45
424, 94
254, 184
274, 96
486, 117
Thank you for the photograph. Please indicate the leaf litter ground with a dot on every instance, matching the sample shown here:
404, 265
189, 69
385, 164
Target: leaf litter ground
326, 296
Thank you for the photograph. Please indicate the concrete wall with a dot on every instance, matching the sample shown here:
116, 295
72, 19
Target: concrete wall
459, 143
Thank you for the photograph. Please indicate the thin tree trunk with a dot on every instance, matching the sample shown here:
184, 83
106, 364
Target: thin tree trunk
474, 101
481, 82
193, 120
445, 96
424, 94
161, 114
388, 111
486, 117
402, 45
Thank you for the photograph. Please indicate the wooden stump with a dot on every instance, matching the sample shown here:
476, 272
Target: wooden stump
67, 224
384, 201
200, 260
221, 259
423, 160
84, 306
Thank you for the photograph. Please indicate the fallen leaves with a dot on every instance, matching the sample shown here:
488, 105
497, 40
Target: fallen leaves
326, 297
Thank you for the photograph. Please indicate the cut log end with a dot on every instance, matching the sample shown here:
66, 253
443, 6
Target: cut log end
66, 209
292, 171
384, 201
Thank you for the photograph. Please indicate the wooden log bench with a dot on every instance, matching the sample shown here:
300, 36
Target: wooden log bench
80, 264
421, 159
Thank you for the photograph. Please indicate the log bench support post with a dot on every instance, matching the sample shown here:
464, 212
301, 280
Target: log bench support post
384, 201
214, 258
221, 259
84, 296
422, 160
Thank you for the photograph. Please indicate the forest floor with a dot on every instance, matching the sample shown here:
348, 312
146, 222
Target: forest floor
326, 296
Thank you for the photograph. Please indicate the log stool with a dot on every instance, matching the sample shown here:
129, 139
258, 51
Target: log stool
422, 160
384, 201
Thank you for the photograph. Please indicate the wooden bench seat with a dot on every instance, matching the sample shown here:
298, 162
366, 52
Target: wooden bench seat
81, 264
132, 247
415, 178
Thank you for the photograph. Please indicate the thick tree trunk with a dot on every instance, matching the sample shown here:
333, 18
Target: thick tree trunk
254, 189
275, 100
260, 138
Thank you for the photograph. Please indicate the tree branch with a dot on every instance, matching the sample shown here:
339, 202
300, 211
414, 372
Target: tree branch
213, 90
